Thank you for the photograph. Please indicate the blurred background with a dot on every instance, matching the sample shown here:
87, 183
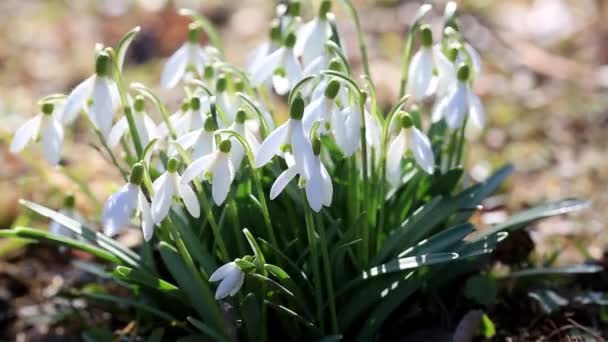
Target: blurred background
544, 83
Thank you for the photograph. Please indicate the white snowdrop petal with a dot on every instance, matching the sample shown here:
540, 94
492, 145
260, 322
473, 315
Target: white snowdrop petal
456, 107
190, 200
163, 197
205, 144
119, 129
186, 140
118, 209
238, 284
256, 56
198, 167
223, 271
312, 114
25, 134
476, 112
314, 191
265, 69
280, 84
302, 149
282, 180
52, 141
252, 140
228, 284
475, 58
222, 179
395, 153
175, 68
304, 34
150, 127
77, 99
328, 188
272, 145
102, 110
293, 69
421, 73
147, 223
423, 151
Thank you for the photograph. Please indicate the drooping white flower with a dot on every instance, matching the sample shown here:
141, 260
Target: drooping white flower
346, 127
289, 137
122, 205
313, 35
322, 107
146, 128
201, 141
162, 130
190, 55
97, 95
67, 210
281, 65
458, 102
421, 68
45, 127
408, 138
215, 167
266, 48
231, 279
227, 102
166, 186
194, 117
243, 127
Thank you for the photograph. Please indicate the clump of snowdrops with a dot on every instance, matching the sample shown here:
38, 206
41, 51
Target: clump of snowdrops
319, 224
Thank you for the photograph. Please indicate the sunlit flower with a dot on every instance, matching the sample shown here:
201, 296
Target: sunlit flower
460, 101
217, 168
162, 130
282, 65
201, 141
146, 128
45, 127
226, 101
166, 186
408, 138
313, 35
194, 117
266, 48
190, 55
243, 127
231, 279
122, 205
322, 107
346, 127
97, 95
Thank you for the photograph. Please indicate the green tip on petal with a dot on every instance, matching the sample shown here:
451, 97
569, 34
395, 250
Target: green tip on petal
210, 124
103, 64
185, 106
241, 115
335, 65
405, 120
316, 146
195, 103
194, 33
139, 103
172, 165
332, 89
208, 72
290, 40
452, 53
426, 35
69, 201
294, 8
47, 108
297, 108
226, 146
463, 73
275, 31
239, 85
137, 174
221, 84
324, 8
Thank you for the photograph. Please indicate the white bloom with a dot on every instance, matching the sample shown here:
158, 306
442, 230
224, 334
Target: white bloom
162, 130
45, 127
427, 59
458, 102
99, 89
122, 205
201, 141
146, 128
408, 138
322, 107
166, 186
245, 128
346, 126
216, 167
231, 277
313, 35
194, 117
266, 48
189, 55
226, 101
282, 65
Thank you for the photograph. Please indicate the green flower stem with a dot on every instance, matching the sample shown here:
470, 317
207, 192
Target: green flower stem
328, 276
360, 38
142, 89
461, 141
407, 50
314, 257
233, 211
123, 173
125, 105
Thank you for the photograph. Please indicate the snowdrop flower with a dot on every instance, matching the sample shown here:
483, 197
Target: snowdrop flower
408, 138
146, 128
282, 65
242, 127
347, 129
290, 136
194, 117
226, 101
97, 95
166, 186
200, 140
231, 279
216, 167
162, 131
121, 206
318, 185
322, 108
461, 99
424, 62
189, 56
266, 48
67, 210
45, 127
289, 15
313, 35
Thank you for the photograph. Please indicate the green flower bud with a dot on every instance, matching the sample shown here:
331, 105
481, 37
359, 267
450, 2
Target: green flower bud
335, 65
195, 103
137, 174
290, 40
69, 201
332, 89
452, 53
139, 103
426, 36
405, 120
210, 124
103, 65
241, 115
172, 165
294, 8
297, 108
324, 8
226, 146
463, 73
194, 33
275, 31
208, 72
47, 108
221, 84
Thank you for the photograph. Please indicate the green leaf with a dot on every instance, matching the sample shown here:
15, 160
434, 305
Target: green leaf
204, 328
409, 263
148, 280
549, 300
482, 289
126, 302
445, 183
560, 270
123, 46
487, 327
156, 335
441, 241
277, 271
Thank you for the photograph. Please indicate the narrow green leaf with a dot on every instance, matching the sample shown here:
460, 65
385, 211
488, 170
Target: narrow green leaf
204, 328
148, 280
559, 270
123, 46
126, 302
